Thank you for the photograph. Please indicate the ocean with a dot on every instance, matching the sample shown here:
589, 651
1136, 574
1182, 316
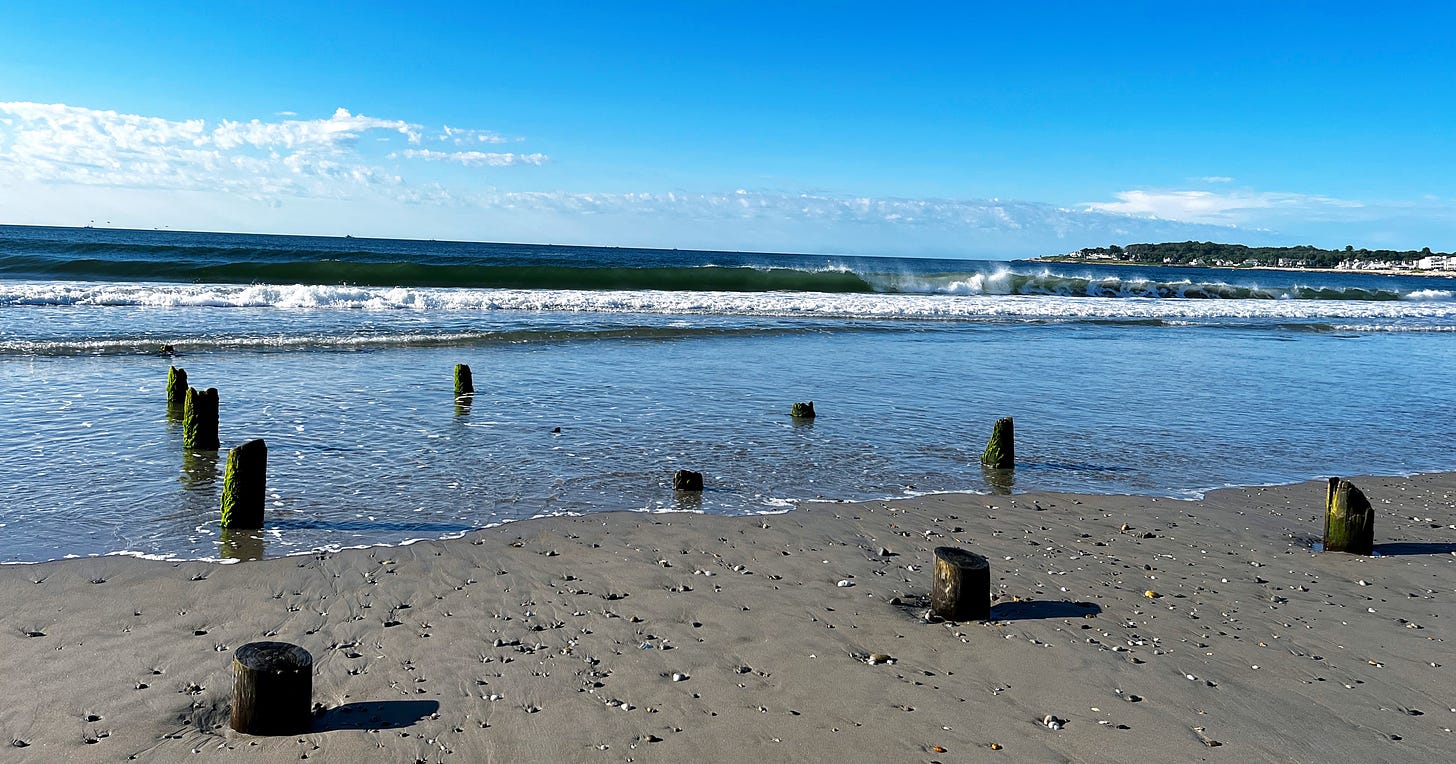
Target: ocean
339, 353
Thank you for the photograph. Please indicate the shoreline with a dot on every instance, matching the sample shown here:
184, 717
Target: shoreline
559, 638
1282, 269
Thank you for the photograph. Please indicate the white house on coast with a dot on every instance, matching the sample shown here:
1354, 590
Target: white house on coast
1437, 263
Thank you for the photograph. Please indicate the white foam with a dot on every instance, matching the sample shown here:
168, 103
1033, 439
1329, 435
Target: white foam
971, 298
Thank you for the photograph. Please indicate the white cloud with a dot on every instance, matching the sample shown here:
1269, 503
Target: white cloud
462, 136
1231, 208
1216, 179
57, 143
473, 158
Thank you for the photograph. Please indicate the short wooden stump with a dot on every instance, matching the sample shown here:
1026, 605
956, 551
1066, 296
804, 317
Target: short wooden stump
272, 689
961, 590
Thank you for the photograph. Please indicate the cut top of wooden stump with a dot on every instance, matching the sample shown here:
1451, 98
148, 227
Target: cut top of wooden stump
274, 657
960, 558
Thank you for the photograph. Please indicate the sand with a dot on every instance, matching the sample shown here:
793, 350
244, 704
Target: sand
683, 637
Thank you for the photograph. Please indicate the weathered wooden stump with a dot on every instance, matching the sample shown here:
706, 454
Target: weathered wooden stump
687, 480
464, 383
802, 410
961, 589
1349, 519
1000, 451
176, 386
243, 485
199, 419
272, 689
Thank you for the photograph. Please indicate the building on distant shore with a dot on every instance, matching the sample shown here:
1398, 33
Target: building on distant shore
1437, 263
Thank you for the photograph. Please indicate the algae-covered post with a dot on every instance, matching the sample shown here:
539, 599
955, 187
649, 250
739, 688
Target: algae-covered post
464, 385
1000, 451
243, 485
199, 419
802, 410
961, 587
1349, 519
687, 480
272, 689
176, 386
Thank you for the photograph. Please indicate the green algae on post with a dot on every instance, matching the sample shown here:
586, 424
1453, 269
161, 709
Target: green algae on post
176, 385
243, 485
1001, 449
199, 419
1349, 519
802, 410
464, 385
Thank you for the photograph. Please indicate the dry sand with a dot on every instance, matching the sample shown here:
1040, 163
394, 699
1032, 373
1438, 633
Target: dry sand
683, 637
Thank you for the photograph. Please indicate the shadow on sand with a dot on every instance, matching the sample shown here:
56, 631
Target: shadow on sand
1036, 609
379, 714
1400, 548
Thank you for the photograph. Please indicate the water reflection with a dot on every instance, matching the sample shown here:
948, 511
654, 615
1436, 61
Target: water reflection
199, 471
238, 544
1000, 481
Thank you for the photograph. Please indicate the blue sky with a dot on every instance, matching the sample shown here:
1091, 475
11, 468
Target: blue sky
954, 129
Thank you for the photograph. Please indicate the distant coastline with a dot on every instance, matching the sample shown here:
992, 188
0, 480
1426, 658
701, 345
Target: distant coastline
1064, 259
1195, 254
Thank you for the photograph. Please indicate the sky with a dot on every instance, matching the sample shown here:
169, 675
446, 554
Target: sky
956, 129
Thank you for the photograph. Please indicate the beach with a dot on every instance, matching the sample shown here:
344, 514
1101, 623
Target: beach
1150, 629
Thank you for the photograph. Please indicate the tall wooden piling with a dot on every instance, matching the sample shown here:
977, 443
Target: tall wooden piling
961, 588
1349, 519
1000, 451
464, 384
272, 689
199, 419
243, 485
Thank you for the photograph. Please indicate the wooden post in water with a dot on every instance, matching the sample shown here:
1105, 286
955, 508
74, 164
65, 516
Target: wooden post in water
802, 410
961, 589
1349, 519
176, 386
1000, 451
199, 419
243, 484
272, 689
464, 385
687, 480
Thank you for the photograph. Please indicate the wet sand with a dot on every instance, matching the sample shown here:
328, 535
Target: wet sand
1150, 629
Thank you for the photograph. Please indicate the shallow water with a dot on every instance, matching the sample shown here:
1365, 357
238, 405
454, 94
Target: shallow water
351, 387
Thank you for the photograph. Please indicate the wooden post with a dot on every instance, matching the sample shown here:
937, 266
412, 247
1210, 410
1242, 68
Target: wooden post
1001, 449
464, 385
802, 410
242, 485
272, 689
199, 419
176, 386
1349, 519
687, 480
961, 590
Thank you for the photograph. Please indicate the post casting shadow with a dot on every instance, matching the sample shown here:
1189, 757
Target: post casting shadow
379, 714
1036, 609
1414, 547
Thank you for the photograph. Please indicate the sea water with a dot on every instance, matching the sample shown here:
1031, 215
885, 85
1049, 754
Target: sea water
339, 353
